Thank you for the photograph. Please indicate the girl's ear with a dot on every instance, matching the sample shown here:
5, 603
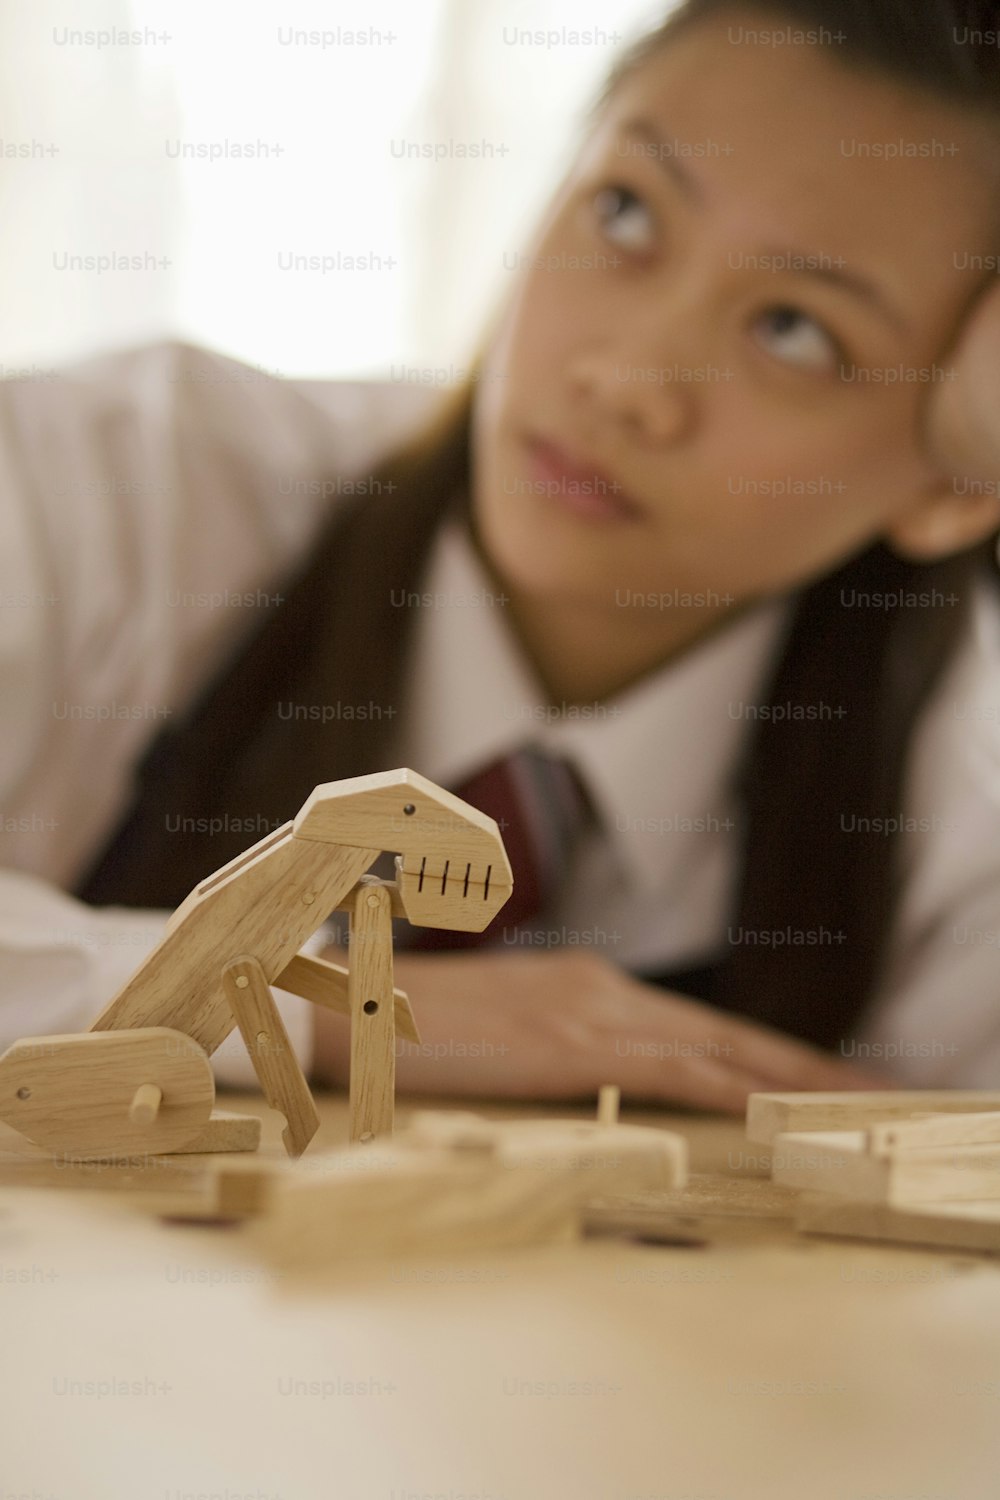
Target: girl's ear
952, 517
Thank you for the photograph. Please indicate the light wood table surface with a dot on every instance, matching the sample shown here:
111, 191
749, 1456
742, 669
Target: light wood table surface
150, 1359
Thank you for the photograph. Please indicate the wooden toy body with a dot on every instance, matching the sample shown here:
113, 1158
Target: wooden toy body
266, 903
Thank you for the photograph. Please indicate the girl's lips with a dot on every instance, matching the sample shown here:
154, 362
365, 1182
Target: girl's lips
580, 487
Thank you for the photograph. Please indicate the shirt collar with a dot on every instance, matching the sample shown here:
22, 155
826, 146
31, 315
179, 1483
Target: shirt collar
664, 749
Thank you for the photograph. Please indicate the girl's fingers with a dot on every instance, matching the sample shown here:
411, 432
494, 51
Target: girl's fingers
963, 417
795, 1064
701, 1083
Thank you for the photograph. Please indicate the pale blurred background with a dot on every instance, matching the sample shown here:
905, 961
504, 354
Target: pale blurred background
97, 143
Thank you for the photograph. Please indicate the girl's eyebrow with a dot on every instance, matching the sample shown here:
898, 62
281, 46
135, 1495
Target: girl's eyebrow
826, 269
646, 131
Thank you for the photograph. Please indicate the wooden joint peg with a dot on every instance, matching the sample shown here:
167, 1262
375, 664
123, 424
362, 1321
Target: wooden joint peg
274, 1062
608, 1101
145, 1104
373, 1027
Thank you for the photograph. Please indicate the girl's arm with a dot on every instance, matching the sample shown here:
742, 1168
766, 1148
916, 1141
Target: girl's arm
134, 490
558, 1025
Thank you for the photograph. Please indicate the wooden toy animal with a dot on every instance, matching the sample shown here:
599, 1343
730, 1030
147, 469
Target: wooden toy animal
140, 1080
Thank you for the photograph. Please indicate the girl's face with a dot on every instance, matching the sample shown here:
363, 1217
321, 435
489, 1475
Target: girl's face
735, 309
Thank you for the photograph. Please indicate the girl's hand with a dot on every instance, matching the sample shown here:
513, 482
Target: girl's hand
558, 1025
963, 419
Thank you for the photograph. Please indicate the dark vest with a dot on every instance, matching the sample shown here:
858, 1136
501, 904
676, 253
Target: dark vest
807, 932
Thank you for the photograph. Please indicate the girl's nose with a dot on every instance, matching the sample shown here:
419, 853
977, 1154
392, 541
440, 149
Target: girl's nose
651, 400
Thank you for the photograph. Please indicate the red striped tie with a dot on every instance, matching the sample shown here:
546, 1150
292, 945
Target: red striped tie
540, 805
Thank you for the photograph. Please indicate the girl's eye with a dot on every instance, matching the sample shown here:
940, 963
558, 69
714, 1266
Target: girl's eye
795, 337
624, 217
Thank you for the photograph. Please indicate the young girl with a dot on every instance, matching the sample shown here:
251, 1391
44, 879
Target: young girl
711, 528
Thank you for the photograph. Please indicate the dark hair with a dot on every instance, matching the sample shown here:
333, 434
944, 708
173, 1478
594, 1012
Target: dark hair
941, 46
801, 869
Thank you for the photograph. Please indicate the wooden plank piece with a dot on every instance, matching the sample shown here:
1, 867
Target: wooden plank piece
451, 1182
709, 1206
946, 1226
977, 1128
839, 1162
224, 1131
770, 1114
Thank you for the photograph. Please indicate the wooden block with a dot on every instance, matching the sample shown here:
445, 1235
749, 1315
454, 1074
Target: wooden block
710, 1205
243, 1189
839, 1162
186, 1184
440, 1192
770, 1115
977, 1128
325, 983
432, 1204
945, 1174
73, 1093
373, 1031
713, 1195
946, 1226
225, 1131
831, 1161
271, 1053
649, 1158
154, 1184
451, 1130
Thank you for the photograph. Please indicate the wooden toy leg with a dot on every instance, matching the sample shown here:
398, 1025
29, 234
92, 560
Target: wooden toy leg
324, 983
275, 1064
373, 1029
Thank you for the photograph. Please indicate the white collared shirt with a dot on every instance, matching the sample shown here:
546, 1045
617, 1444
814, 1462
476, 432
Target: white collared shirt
651, 878
149, 501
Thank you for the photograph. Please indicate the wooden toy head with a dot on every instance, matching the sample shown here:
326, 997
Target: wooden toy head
452, 868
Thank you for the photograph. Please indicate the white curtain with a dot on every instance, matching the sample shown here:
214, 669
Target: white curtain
319, 187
